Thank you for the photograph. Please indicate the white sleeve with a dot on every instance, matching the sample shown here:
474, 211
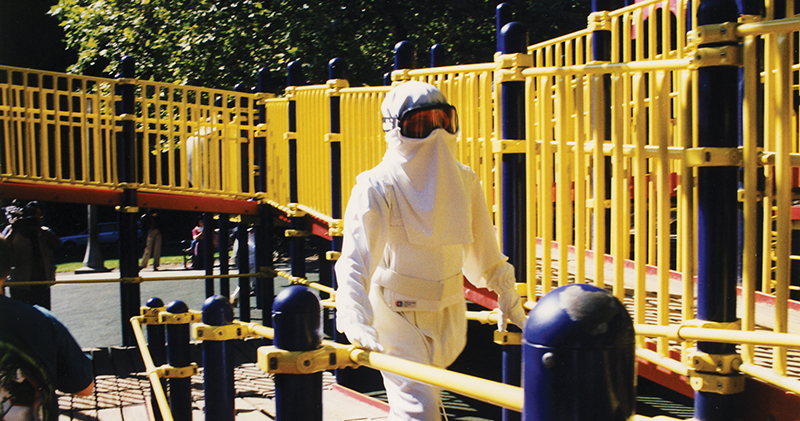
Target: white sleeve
484, 265
366, 224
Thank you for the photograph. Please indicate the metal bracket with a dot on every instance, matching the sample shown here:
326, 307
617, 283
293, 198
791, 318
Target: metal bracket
336, 85
726, 55
714, 33
401, 75
293, 211
331, 255
170, 372
598, 21
150, 314
336, 228
507, 338
715, 383
297, 233
333, 137
167, 318
289, 135
508, 146
713, 363
127, 209
714, 157
706, 324
203, 332
277, 361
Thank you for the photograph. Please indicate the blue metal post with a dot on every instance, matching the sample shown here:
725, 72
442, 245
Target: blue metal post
265, 287
502, 15
224, 244
207, 248
244, 267
126, 172
297, 317
513, 39
156, 343
405, 55
438, 55
717, 206
601, 120
218, 363
336, 70
178, 356
579, 357
297, 253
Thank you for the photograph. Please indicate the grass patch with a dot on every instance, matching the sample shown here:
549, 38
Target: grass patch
114, 263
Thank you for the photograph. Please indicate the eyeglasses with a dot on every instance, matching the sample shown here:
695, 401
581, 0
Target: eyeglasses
418, 123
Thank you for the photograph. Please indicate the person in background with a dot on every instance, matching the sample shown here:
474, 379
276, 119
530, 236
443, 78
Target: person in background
414, 226
197, 245
31, 255
38, 355
151, 223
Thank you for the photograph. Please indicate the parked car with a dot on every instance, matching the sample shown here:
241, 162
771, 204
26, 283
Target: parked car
107, 233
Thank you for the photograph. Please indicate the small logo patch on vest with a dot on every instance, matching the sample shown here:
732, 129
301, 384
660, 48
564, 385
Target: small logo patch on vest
405, 304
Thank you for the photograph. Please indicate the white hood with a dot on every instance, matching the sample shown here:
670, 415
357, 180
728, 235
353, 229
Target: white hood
427, 178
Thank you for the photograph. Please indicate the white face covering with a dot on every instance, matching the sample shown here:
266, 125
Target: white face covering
429, 188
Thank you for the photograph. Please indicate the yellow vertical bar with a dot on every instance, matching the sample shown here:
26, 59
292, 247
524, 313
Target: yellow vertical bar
660, 105
640, 200
619, 227
750, 138
580, 181
531, 188
783, 196
599, 195
564, 188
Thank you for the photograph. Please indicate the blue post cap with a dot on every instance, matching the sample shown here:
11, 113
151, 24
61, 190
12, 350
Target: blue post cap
240, 87
387, 78
438, 55
405, 56
263, 80
337, 68
502, 16
127, 67
579, 316
217, 311
297, 319
154, 302
294, 74
177, 307
513, 38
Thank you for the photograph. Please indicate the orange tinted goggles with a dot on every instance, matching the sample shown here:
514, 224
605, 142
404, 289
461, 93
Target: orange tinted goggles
418, 123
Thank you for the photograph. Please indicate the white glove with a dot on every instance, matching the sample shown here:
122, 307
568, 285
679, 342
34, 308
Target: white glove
510, 307
363, 336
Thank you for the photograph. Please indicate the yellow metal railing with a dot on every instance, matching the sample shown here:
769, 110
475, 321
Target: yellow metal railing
611, 177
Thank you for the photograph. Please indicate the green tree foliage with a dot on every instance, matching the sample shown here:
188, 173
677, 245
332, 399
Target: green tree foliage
221, 43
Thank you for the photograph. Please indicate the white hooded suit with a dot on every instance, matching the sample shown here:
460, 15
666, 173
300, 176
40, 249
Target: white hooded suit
414, 226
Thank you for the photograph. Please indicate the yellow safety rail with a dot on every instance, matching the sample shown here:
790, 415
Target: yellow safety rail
57, 128
611, 178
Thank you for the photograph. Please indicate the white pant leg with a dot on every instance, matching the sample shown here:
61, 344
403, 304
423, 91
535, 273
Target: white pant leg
400, 337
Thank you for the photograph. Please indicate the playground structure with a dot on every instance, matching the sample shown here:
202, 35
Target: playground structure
625, 155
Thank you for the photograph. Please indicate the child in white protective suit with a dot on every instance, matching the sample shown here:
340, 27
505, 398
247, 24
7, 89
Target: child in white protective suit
414, 226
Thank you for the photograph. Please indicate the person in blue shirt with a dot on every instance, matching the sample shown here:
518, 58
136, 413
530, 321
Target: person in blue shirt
38, 356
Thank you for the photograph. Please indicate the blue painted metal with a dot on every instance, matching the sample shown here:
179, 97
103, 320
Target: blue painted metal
126, 172
224, 242
578, 357
513, 39
207, 248
438, 55
717, 204
405, 55
297, 317
297, 253
244, 267
157, 344
178, 356
502, 15
218, 363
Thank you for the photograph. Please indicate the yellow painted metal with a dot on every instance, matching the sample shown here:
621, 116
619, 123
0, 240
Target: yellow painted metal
328, 357
313, 153
151, 369
504, 395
